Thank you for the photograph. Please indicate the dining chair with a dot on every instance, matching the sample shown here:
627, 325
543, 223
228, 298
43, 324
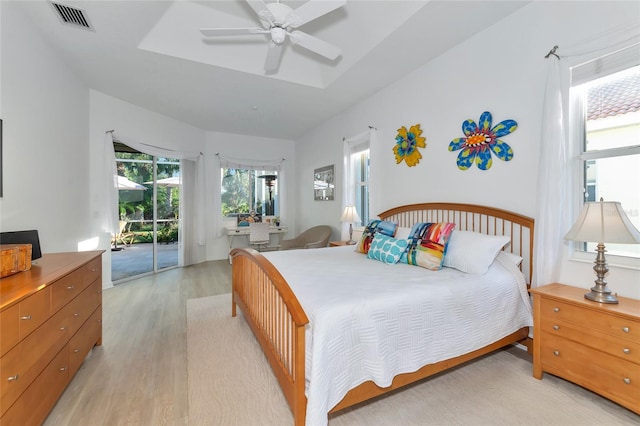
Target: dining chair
259, 235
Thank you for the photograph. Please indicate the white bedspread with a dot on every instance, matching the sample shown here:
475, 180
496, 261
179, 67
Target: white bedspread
372, 321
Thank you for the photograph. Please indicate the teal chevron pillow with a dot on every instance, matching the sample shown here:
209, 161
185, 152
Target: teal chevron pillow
387, 249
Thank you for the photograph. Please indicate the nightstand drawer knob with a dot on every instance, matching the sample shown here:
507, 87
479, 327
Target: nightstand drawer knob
625, 329
556, 327
556, 353
627, 380
556, 309
626, 351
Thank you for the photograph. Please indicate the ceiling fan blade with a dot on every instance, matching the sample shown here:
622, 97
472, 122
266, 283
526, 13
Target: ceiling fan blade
273, 57
314, 44
214, 32
260, 7
312, 10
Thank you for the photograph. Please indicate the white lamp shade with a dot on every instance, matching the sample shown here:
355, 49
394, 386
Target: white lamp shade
603, 222
350, 215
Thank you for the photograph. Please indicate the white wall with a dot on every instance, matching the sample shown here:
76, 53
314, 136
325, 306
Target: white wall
503, 71
45, 112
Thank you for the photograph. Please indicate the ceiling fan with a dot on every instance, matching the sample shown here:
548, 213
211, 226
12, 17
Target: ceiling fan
278, 20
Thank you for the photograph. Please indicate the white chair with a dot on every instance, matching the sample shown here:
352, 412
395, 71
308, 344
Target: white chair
259, 235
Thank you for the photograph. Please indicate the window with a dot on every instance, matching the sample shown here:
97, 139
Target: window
356, 174
247, 191
605, 96
360, 161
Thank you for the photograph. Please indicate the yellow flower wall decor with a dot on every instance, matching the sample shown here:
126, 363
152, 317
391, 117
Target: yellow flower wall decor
407, 144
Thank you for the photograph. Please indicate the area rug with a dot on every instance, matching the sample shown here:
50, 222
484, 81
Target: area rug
230, 383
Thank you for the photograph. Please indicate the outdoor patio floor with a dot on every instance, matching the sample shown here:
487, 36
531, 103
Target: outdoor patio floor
137, 259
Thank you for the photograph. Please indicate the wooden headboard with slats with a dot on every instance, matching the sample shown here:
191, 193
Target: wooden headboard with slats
471, 217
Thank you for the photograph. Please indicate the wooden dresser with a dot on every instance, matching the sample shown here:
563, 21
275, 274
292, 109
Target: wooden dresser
594, 345
50, 318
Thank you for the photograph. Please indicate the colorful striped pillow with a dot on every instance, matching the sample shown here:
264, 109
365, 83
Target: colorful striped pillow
374, 227
428, 245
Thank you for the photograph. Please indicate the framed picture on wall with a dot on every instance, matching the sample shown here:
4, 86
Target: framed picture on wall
323, 183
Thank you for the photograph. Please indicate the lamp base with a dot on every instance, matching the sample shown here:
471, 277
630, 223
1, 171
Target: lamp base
350, 242
601, 296
599, 292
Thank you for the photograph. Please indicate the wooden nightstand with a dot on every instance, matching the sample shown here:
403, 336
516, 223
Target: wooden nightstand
339, 243
594, 345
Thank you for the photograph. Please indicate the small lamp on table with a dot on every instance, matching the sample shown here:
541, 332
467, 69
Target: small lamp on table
350, 215
603, 222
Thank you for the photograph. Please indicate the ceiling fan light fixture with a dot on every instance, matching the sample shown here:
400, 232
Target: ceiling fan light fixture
278, 35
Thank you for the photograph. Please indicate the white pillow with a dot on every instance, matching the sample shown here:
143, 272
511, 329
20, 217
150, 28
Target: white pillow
510, 257
402, 233
472, 252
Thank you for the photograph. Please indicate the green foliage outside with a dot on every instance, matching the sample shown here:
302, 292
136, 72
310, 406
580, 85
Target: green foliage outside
137, 205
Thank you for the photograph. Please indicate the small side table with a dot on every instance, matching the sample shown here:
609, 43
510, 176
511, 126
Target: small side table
339, 243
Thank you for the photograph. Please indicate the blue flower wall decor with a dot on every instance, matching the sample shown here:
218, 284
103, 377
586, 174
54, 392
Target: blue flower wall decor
481, 140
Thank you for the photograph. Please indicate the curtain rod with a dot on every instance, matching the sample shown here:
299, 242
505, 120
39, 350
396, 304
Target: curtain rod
552, 52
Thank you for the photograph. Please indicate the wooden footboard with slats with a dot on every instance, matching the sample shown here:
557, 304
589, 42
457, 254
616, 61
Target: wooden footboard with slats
278, 320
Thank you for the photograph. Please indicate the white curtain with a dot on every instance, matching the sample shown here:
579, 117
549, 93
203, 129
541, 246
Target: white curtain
192, 216
558, 162
350, 146
248, 164
553, 182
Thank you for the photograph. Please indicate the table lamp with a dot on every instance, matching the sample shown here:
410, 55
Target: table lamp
603, 222
350, 215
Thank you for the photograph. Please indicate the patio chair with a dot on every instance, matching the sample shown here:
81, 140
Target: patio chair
315, 237
124, 237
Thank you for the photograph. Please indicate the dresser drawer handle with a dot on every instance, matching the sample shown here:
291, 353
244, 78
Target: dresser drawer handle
75, 351
63, 369
627, 380
625, 329
70, 287
556, 353
63, 328
13, 378
556, 309
556, 327
26, 318
626, 351
76, 314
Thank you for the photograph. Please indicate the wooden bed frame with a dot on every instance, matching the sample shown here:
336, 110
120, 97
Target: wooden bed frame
278, 320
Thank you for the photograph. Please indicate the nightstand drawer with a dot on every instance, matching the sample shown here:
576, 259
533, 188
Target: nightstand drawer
591, 319
610, 376
622, 348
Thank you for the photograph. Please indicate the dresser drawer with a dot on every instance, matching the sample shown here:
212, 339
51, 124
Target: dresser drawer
85, 339
591, 319
9, 328
36, 402
82, 306
22, 364
34, 310
610, 376
622, 348
92, 271
66, 289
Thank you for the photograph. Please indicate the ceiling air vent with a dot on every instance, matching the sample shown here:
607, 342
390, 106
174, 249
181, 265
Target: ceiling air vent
72, 16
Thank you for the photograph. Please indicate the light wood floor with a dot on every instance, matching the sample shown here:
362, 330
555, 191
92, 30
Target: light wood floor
139, 374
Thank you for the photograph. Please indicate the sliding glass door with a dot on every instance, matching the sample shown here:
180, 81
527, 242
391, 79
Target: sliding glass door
149, 206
